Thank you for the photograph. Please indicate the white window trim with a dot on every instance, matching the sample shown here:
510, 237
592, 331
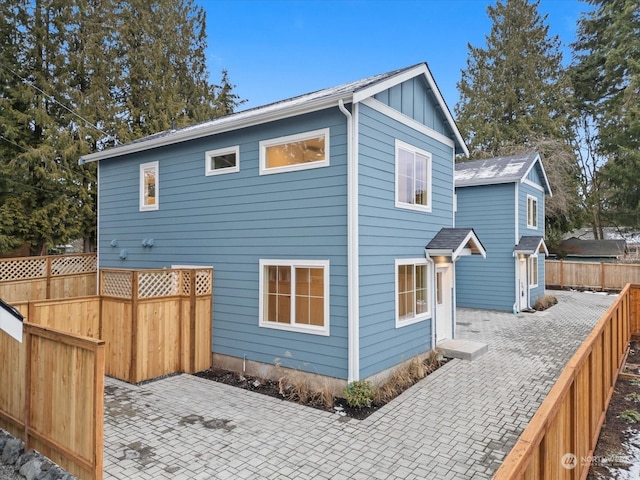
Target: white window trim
290, 139
410, 206
530, 200
208, 156
143, 167
424, 316
293, 327
531, 269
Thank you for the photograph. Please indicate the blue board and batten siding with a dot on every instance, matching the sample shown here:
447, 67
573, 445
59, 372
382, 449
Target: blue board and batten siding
232, 221
387, 233
487, 283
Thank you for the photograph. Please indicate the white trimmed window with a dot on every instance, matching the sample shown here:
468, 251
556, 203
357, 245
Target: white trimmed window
295, 152
533, 271
532, 211
294, 295
413, 177
222, 160
149, 187
412, 291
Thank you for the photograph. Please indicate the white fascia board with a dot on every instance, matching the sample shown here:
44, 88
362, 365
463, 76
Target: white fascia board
215, 128
464, 250
547, 185
479, 183
418, 70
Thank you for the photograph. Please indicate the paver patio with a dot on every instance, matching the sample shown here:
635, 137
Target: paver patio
458, 423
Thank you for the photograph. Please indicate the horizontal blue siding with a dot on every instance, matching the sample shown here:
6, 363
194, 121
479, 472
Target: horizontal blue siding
387, 233
525, 190
232, 221
487, 283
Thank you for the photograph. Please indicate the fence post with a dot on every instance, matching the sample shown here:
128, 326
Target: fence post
561, 274
602, 276
192, 321
48, 288
133, 368
27, 387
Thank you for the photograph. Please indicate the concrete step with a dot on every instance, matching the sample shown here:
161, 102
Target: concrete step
463, 349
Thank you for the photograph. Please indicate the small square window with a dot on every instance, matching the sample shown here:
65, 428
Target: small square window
149, 188
222, 160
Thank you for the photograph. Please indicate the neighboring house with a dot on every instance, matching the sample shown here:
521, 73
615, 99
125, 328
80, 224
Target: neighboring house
316, 214
576, 249
503, 199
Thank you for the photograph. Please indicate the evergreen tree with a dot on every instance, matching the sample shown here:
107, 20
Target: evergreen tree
514, 96
77, 77
606, 76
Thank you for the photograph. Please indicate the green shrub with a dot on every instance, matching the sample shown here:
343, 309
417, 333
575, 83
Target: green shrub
359, 394
631, 416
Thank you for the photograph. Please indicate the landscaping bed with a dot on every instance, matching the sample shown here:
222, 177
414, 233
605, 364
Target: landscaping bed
294, 388
617, 453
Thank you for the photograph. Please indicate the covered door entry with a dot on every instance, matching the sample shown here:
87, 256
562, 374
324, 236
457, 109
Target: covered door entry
523, 289
444, 293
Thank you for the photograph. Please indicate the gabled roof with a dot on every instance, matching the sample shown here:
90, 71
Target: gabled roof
309, 102
530, 245
511, 169
455, 242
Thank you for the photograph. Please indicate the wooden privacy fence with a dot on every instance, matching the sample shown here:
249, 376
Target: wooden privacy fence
559, 441
52, 396
38, 278
598, 276
154, 322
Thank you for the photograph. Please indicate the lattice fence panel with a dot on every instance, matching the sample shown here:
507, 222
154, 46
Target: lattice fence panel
204, 280
186, 282
158, 284
73, 264
117, 284
23, 268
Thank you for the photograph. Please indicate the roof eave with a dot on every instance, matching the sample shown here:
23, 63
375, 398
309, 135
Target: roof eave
491, 182
193, 134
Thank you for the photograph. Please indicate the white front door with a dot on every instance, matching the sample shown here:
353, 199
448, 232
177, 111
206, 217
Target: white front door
523, 285
444, 292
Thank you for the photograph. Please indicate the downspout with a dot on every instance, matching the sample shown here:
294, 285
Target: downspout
434, 318
353, 288
516, 304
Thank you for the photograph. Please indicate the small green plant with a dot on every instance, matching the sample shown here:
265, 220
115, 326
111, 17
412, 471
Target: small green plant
633, 397
359, 394
635, 382
631, 416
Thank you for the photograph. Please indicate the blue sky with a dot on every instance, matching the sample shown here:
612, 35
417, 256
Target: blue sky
276, 49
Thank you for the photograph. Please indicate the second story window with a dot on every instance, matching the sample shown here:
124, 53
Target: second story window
149, 199
295, 152
413, 177
532, 212
222, 160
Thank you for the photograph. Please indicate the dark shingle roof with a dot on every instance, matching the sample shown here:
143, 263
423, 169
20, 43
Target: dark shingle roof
530, 245
452, 239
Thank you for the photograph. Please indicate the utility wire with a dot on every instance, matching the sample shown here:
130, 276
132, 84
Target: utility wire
75, 172
51, 97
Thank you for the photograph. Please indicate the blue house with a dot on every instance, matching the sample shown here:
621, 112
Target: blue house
328, 219
503, 198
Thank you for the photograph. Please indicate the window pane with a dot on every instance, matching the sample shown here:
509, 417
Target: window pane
439, 288
223, 161
405, 177
302, 281
317, 312
421, 289
316, 279
284, 280
302, 310
150, 186
284, 309
304, 151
